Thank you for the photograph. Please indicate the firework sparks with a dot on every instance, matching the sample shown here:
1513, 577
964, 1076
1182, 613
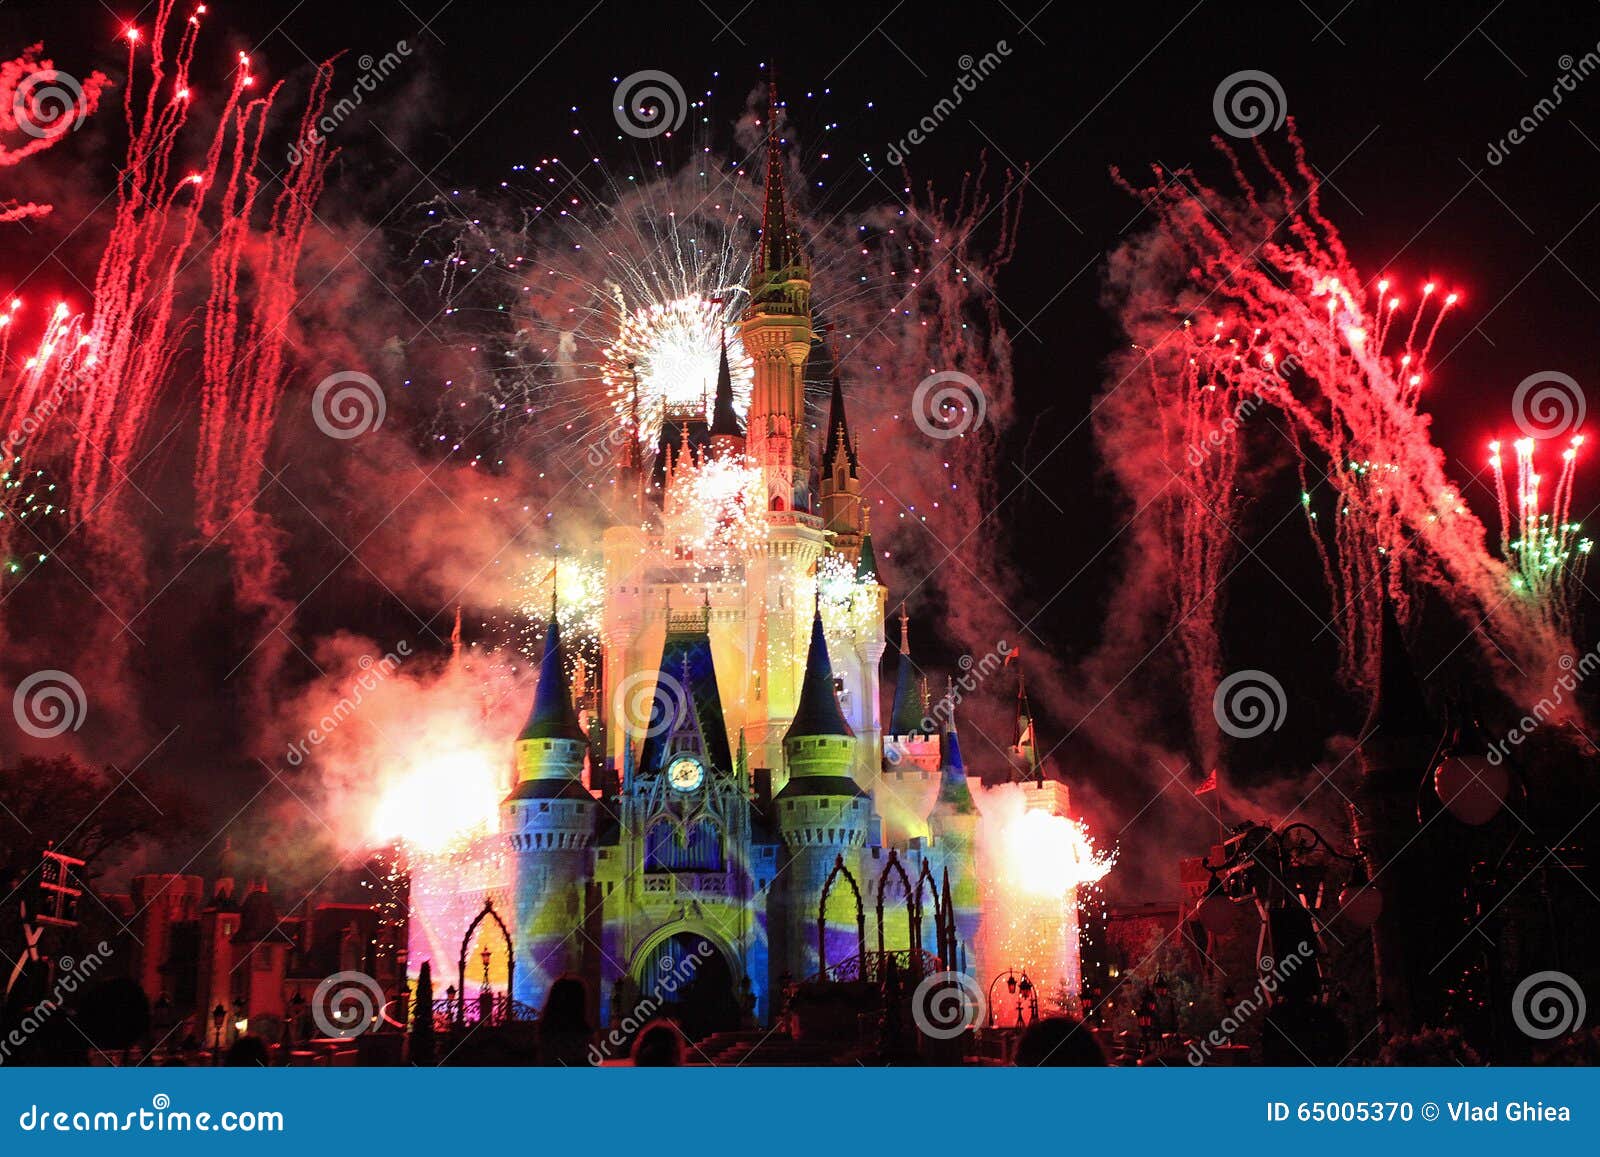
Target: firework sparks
672, 349
1545, 549
1268, 310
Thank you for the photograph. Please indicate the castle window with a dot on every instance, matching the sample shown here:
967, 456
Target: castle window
669, 847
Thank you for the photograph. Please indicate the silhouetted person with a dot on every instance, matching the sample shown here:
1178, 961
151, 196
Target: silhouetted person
659, 1044
564, 1029
1058, 1040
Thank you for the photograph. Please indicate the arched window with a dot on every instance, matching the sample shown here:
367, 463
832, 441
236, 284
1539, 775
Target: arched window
669, 847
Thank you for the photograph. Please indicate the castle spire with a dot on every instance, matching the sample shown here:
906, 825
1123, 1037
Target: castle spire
905, 716
838, 440
818, 710
552, 716
724, 422
778, 243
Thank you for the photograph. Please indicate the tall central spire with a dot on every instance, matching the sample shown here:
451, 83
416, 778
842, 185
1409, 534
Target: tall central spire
779, 249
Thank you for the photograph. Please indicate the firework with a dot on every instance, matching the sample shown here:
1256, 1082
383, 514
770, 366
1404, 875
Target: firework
1263, 304
1544, 548
714, 511
578, 584
851, 607
671, 351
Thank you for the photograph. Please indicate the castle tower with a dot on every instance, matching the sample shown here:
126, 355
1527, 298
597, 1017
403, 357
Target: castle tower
839, 484
776, 330
549, 822
909, 783
953, 826
822, 817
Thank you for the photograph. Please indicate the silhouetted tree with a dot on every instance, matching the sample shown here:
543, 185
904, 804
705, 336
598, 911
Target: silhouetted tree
422, 1042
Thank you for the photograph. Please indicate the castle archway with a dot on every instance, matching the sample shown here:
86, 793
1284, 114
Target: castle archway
683, 973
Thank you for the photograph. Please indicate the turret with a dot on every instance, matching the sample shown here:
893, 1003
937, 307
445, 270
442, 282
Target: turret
823, 817
909, 783
839, 484
776, 331
549, 823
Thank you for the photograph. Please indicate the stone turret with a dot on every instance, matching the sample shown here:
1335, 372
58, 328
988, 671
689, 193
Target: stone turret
822, 818
549, 822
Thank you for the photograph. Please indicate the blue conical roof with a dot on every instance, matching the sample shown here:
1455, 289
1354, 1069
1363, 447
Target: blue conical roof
818, 710
552, 716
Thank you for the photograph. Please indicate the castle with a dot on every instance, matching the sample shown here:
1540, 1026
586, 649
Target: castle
731, 775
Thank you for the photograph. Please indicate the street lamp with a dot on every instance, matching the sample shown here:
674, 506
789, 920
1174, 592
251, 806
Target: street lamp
1019, 986
218, 1015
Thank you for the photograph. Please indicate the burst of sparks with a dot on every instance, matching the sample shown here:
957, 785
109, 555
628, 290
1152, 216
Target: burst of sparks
672, 350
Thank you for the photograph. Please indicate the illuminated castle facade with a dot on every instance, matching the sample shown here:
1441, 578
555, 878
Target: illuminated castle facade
685, 814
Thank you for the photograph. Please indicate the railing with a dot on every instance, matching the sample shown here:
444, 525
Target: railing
874, 968
495, 1009
671, 883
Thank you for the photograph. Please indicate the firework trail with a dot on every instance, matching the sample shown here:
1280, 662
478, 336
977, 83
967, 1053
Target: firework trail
1249, 299
38, 107
246, 345
103, 375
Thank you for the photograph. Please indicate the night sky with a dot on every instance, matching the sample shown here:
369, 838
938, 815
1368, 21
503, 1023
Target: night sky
1398, 105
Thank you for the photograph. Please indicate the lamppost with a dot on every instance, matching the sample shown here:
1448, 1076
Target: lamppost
485, 997
218, 1015
1022, 988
